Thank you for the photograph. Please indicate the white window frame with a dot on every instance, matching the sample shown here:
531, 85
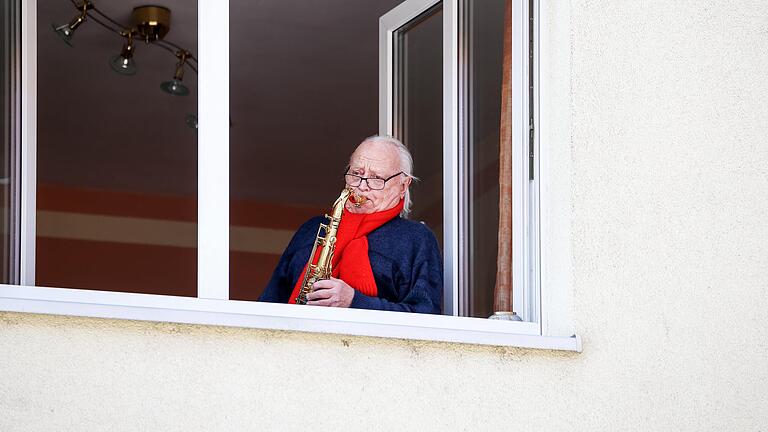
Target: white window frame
212, 305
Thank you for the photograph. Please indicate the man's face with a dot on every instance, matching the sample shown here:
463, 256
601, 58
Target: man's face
377, 160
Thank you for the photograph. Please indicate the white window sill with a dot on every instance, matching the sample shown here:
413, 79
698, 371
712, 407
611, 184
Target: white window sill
231, 313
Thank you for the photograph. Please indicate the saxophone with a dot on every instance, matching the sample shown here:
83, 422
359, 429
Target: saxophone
323, 268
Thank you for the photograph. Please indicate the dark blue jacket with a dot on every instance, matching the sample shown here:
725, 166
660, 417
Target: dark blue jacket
405, 259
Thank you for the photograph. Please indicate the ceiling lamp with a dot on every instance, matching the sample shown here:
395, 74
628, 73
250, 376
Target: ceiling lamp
66, 31
150, 24
124, 63
191, 121
174, 86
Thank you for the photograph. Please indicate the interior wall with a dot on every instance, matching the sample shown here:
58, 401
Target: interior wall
304, 92
102, 130
659, 128
147, 243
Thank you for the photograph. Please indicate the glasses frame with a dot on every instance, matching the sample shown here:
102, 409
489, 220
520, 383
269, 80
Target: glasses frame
346, 173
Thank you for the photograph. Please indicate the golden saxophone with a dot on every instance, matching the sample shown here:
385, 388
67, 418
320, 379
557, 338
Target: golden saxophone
323, 268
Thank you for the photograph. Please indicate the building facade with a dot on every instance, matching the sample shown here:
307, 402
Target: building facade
652, 126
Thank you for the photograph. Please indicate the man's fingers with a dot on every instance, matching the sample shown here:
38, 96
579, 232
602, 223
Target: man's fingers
323, 302
326, 292
319, 294
325, 283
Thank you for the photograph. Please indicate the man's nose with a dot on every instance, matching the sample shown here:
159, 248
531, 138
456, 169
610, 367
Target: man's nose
363, 186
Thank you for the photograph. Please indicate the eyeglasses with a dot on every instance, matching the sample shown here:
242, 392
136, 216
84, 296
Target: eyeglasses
374, 183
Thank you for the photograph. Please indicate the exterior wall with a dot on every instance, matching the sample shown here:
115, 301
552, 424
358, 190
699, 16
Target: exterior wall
656, 124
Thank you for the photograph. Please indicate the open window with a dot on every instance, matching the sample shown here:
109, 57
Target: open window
306, 86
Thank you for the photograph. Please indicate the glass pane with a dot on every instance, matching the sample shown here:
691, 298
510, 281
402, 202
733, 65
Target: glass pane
486, 49
116, 155
304, 94
8, 39
419, 111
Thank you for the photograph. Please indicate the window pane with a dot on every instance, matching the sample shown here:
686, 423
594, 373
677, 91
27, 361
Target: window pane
486, 46
116, 155
8, 39
304, 93
419, 111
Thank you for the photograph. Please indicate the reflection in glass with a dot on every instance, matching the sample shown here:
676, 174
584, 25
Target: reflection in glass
8, 48
419, 111
486, 45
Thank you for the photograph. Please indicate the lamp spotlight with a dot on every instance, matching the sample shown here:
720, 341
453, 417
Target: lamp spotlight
191, 121
175, 86
123, 63
66, 31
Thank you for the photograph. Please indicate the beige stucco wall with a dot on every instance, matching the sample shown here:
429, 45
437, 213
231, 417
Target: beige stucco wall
657, 110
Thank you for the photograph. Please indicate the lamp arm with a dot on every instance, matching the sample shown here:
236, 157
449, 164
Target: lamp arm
106, 17
173, 48
190, 56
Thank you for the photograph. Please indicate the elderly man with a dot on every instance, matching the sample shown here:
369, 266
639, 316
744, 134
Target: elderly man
382, 260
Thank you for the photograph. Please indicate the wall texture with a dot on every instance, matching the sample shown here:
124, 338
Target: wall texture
657, 117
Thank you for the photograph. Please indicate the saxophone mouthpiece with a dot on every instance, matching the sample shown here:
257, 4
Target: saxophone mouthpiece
357, 200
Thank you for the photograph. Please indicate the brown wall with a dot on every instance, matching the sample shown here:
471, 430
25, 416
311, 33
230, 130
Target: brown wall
150, 263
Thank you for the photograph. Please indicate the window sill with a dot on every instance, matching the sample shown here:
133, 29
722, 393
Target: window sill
230, 313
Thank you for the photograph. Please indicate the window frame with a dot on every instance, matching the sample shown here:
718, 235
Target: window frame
456, 147
28, 161
13, 122
212, 305
389, 23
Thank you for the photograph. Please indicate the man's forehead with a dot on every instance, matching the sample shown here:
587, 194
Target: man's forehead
374, 156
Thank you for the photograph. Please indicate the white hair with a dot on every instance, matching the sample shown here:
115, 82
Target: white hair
406, 165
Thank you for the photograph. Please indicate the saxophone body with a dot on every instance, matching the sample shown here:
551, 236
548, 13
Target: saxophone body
325, 238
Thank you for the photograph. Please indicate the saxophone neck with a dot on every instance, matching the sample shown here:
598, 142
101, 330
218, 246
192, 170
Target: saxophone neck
338, 205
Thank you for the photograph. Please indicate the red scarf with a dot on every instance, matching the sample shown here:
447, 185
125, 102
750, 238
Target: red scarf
350, 258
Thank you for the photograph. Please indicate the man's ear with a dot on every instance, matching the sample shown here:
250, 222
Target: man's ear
406, 184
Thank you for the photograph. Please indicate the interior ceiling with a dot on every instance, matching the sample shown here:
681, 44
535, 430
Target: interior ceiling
304, 80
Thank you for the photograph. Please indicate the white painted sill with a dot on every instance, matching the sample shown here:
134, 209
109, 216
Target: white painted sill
232, 313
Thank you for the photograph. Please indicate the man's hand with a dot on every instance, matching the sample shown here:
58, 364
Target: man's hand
331, 292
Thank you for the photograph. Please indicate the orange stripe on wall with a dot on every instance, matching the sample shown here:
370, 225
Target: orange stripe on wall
137, 268
151, 268
168, 207
114, 203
